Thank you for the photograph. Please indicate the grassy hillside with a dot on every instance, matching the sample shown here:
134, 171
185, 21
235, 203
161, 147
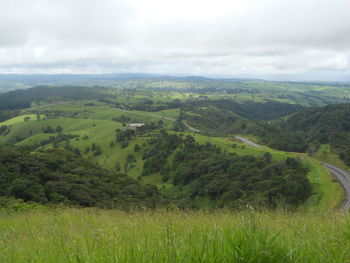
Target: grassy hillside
92, 124
89, 235
18, 119
326, 192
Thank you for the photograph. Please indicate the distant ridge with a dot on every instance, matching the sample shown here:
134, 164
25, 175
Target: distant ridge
22, 81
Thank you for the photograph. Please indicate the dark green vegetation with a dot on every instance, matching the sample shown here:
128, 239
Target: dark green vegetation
231, 180
8, 114
59, 176
196, 172
20, 99
307, 130
251, 110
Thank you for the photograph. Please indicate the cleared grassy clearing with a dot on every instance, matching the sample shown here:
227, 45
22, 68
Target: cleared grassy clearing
173, 113
100, 132
107, 113
18, 119
145, 116
89, 235
26, 129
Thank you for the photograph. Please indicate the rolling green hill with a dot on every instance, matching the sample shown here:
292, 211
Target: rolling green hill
181, 187
83, 136
95, 126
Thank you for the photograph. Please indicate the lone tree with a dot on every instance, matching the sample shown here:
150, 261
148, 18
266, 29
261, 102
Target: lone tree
137, 148
117, 167
98, 150
129, 161
59, 129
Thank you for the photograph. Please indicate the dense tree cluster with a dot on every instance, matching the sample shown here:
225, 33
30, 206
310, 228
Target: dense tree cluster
54, 114
227, 179
60, 176
251, 110
55, 140
124, 135
307, 129
4, 130
8, 114
216, 122
161, 148
20, 99
149, 105
122, 118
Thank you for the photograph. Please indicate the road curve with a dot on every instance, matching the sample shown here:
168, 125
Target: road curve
247, 141
190, 127
342, 176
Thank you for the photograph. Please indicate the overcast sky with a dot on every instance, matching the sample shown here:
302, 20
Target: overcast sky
281, 39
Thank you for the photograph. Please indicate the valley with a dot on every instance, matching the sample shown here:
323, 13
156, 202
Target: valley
94, 126
110, 162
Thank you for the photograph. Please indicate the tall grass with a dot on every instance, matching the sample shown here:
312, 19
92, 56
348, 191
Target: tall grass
90, 235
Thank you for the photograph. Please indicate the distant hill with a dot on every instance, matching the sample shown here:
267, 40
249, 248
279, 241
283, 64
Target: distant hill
307, 129
20, 99
304, 93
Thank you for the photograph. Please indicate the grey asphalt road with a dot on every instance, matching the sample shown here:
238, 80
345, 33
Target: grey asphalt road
247, 141
342, 176
190, 127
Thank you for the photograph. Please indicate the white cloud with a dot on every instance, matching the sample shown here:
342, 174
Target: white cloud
222, 37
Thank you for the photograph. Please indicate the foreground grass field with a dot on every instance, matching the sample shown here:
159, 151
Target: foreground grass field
89, 235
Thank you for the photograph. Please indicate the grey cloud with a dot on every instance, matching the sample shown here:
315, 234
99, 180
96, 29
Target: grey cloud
253, 38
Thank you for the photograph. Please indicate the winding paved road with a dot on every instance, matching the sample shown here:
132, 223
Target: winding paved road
342, 176
247, 141
190, 127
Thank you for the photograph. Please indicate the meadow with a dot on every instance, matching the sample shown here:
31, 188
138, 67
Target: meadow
92, 235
